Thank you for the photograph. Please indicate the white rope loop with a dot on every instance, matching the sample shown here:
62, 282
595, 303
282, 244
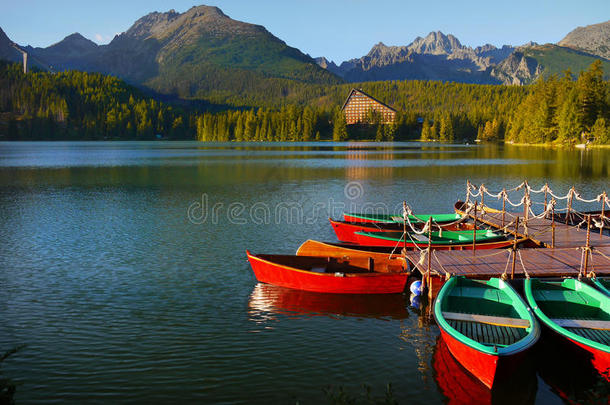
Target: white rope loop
474, 191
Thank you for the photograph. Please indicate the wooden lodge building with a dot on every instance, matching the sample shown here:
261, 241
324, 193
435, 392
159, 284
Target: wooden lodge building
358, 104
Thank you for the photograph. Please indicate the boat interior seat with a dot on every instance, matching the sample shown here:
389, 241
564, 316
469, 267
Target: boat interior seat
487, 319
475, 292
560, 296
583, 323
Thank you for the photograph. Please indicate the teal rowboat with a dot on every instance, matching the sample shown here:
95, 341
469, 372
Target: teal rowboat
389, 218
602, 284
576, 312
486, 325
438, 238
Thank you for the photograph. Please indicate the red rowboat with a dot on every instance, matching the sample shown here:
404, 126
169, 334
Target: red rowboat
461, 387
345, 230
358, 275
487, 326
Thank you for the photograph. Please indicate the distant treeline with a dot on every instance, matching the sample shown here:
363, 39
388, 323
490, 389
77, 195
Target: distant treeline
77, 105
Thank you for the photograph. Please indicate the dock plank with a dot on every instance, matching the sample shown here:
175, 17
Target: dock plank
539, 262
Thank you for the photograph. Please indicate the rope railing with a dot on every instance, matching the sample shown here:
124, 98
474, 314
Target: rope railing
473, 191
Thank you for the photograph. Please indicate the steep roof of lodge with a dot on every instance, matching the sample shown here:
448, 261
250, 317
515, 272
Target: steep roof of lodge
368, 95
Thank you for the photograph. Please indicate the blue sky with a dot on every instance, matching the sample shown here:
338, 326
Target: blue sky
337, 29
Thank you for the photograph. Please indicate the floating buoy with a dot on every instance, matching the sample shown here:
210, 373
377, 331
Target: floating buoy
415, 287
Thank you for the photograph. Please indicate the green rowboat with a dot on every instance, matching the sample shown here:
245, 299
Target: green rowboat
485, 324
437, 237
576, 312
385, 218
602, 284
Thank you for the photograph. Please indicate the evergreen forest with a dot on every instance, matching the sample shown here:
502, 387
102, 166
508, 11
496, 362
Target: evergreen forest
70, 105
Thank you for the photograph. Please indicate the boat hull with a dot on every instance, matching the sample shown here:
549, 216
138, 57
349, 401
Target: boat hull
574, 291
345, 230
336, 283
600, 360
378, 219
478, 321
365, 239
481, 365
388, 218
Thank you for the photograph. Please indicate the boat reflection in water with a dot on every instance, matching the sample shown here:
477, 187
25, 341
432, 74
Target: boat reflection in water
267, 299
461, 387
570, 372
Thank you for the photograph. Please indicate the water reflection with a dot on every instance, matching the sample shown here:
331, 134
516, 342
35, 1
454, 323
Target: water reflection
571, 375
461, 387
267, 300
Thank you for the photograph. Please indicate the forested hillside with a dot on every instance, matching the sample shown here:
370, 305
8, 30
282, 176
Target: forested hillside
564, 110
76, 105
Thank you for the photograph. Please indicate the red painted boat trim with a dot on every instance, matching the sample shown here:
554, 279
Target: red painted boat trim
338, 283
345, 231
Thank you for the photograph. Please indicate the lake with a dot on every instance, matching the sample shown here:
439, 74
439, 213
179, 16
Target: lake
124, 274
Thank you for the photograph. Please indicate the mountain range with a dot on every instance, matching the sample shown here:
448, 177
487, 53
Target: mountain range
200, 53
204, 54
443, 57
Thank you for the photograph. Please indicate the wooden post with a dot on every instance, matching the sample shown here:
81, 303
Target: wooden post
601, 230
404, 220
482, 195
467, 193
474, 232
569, 213
512, 270
546, 187
588, 247
503, 205
553, 226
429, 257
526, 208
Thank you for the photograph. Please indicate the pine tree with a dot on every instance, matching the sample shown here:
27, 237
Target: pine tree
425, 131
569, 126
446, 129
339, 127
600, 132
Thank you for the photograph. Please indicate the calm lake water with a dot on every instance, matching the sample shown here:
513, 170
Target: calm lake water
123, 271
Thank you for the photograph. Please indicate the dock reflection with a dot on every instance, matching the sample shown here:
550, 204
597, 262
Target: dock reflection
461, 387
267, 299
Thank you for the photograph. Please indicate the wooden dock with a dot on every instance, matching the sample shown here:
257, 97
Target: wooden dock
561, 252
540, 230
558, 262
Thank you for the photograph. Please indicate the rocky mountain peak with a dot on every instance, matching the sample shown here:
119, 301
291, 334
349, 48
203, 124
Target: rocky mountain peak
74, 42
183, 27
436, 43
593, 38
